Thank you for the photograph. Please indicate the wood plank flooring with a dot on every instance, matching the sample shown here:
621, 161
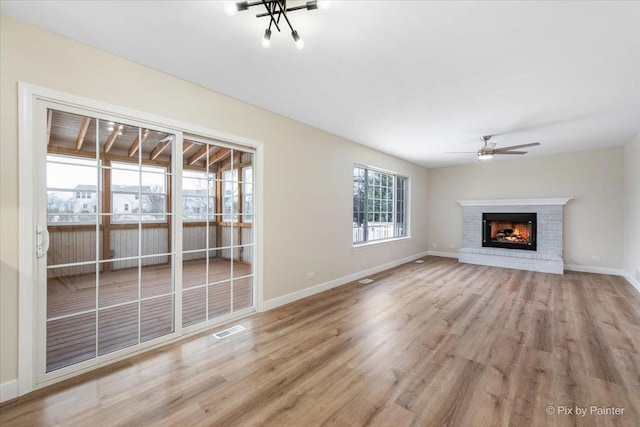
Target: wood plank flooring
430, 344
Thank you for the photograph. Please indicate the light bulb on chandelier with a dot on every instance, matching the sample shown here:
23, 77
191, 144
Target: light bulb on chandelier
298, 41
275, 10
266, 40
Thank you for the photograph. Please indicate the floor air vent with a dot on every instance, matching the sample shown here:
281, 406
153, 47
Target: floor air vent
365, 281
229, 331
419, 261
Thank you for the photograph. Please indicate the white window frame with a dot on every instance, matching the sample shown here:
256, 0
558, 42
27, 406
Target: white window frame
407, 203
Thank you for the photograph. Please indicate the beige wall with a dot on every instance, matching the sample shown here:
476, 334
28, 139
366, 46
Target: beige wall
632, 207
307, 172
592, 219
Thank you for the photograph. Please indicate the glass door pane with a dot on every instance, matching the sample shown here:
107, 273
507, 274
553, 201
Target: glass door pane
218, 211
73, 223
110, 276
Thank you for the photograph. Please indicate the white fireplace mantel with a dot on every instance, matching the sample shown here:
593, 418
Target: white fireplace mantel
515, 202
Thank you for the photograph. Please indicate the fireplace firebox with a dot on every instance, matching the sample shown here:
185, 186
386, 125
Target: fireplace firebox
509, 230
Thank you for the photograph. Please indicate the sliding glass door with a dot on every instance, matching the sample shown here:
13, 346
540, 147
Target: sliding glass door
217, 214
108, 223
142, 234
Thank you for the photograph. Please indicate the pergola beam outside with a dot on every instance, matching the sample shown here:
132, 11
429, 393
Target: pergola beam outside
136, 143
219, 155
202, 151
112, 138
82, 133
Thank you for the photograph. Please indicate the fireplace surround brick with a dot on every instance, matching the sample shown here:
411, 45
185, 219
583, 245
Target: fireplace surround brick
547, 258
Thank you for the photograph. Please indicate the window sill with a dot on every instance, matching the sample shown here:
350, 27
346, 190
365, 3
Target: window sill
367, 245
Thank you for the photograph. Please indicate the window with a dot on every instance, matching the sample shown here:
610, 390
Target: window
247, 194
198, 196
68, 180
230, 196
379, 205
138, 192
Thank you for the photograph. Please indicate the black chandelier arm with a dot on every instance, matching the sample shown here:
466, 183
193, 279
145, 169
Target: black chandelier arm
310, 5
244, 5
275, 10
283, 12
278, 20
267, 4
282, 4
262, 15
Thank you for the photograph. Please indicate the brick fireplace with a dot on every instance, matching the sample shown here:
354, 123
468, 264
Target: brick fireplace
524, 234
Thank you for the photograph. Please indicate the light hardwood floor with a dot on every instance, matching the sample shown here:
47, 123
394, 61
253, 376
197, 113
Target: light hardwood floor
430, 344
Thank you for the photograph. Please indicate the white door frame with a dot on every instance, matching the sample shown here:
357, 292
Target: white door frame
28, 98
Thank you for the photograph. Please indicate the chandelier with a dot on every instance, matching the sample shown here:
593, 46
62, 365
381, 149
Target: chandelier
277, 11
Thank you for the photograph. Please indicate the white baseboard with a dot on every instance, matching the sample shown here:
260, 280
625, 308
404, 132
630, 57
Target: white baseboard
597, 270
443, 254
8, 390
307, 292
631, 280
604, 270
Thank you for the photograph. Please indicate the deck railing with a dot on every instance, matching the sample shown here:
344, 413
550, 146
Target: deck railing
376, 231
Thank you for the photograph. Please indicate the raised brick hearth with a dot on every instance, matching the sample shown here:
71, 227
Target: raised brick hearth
547, 258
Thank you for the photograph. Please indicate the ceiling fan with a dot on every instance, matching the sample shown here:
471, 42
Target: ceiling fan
488, 150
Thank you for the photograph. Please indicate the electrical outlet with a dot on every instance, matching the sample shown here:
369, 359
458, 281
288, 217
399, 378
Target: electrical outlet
595, 258
451, 246
311, 275
434, 245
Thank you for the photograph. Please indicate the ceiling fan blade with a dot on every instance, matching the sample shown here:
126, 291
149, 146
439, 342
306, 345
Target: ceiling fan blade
533, 144
510, 152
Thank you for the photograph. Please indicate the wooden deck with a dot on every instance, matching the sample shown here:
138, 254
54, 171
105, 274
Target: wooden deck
76, 338
438, 343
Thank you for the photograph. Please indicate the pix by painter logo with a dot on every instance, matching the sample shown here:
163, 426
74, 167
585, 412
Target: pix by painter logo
582, 411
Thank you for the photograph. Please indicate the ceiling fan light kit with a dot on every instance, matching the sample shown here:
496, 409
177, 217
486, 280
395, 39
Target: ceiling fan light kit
276, 10
489, 149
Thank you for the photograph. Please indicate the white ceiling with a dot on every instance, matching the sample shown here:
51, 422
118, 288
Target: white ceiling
411, 78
